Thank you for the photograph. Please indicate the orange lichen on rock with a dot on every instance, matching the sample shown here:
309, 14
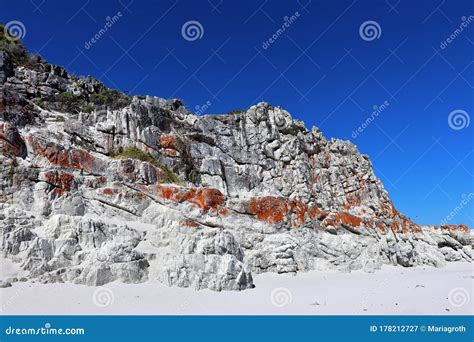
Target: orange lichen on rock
349, 219
143, 187
60, 156
408, 225
352, 201
300, 209
388, 210
269, 208
108, 191
122, 193
381, 228
223, 212
11, 140
273, 209
327, 157
169, 152
168, 141
171, 193
189, 223
455, 227
80, 159
315, 212
400, 222
395, 227
204, 198
62, 181
343, 218
96, 182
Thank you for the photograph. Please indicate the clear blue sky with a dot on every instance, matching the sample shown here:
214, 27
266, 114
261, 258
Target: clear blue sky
320, 69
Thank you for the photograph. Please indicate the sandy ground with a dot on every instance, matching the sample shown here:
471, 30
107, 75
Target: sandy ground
390, 291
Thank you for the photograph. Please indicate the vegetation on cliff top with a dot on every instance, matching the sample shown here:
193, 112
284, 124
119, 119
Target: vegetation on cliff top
14, 48
133, 152
110, 98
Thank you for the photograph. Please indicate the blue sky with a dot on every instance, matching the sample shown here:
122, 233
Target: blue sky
322, 68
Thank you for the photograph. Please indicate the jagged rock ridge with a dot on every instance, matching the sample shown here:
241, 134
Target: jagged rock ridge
98, 186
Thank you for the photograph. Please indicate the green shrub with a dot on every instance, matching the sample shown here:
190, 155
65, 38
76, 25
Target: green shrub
134, 152
169, 175
60, 118
110, 98
88, 109
41, 104
236, 111
14, 48
184, 148
19, 56
98, 99
66, 97
69, 102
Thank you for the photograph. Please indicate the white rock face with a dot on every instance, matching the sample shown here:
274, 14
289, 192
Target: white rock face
197, 202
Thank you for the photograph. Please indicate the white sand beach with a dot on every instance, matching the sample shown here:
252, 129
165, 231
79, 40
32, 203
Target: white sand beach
390, 291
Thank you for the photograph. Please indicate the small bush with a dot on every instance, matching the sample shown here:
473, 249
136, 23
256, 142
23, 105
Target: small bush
134, 152
66, 97
110, 98
19, 56
236, 111
98, 99
16, 51
69, 102
60, 118
169, 175
184, 148
41, 104
88, 109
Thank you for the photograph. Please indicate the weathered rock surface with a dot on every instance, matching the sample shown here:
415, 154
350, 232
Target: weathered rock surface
253, 191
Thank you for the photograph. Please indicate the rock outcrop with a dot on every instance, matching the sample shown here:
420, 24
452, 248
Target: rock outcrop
98, 186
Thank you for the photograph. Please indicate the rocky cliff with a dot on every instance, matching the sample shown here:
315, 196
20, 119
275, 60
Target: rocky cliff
98, 186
